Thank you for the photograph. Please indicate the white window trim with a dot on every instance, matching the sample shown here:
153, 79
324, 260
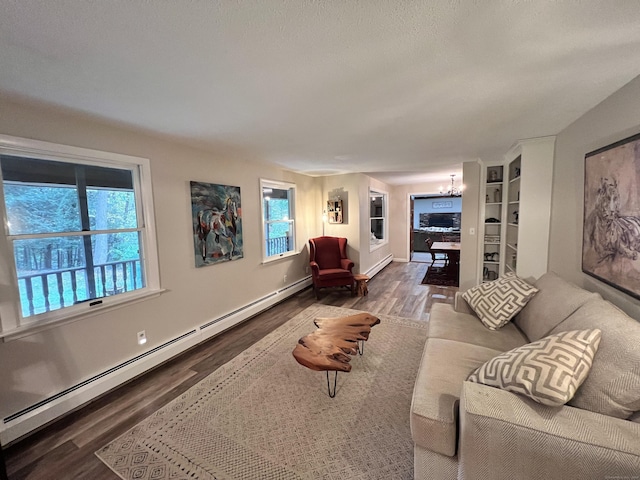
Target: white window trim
283, 186
385, 216
10, 318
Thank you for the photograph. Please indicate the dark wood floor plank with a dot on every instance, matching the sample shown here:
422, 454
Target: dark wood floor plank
65, 449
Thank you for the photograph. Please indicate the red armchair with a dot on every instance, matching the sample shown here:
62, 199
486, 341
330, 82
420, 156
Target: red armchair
330, 266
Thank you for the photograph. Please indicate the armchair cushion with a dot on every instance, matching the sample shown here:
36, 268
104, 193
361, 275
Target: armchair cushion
549, 371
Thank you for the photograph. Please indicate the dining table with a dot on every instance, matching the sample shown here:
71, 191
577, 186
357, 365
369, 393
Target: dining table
452, 250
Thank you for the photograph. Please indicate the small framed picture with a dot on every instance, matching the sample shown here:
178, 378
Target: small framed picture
494, 174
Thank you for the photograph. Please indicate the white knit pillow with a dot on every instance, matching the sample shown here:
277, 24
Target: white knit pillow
499, 301
548, 371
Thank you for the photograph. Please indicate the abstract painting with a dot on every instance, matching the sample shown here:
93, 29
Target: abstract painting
611, 231
217, 223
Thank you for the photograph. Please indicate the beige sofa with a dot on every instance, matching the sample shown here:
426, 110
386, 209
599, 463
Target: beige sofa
471, 431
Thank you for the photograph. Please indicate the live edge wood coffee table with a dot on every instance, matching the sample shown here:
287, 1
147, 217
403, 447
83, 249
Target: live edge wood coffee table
328, 348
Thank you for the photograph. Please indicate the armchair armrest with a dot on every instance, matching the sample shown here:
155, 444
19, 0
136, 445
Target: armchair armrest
507, 436
346, 263
315, 268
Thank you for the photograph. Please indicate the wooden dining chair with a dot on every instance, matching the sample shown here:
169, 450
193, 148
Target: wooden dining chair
436, 257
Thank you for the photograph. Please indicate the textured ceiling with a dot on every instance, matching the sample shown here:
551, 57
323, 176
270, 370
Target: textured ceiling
326, 87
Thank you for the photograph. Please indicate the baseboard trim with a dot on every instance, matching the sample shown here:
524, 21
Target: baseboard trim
379, 266
27, 420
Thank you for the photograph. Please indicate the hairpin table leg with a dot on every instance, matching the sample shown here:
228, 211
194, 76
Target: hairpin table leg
335, 381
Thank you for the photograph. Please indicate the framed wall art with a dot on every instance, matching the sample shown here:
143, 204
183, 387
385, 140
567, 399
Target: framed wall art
611, 230
217, 223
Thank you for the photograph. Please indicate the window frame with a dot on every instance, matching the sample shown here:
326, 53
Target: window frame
280, 185
385, 224
12, 323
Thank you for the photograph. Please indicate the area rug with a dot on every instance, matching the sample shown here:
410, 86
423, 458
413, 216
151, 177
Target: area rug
435, 276
264, 416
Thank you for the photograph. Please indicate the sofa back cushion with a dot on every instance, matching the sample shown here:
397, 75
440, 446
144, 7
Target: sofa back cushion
555, 301
613, 385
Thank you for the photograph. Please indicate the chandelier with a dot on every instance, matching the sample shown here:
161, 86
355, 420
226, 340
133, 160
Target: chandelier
452, 191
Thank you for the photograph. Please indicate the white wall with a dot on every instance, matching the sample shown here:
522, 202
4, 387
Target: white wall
471, 198
614, 119
348, 187
40, 365
399, 215
371, 258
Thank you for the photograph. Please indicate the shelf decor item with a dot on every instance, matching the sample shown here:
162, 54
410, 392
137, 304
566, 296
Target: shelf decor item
611, 230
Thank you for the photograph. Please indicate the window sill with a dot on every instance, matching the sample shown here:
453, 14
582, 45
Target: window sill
33, 328
377, 246
282, 256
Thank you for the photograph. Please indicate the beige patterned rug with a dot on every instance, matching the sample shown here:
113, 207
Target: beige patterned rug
264, 416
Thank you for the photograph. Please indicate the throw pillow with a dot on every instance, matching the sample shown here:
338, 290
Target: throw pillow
548, 371
499, 301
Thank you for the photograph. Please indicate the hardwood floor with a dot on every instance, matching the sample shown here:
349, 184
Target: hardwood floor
65, 449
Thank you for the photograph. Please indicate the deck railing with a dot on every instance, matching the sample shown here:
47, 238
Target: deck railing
277, 245
54, 289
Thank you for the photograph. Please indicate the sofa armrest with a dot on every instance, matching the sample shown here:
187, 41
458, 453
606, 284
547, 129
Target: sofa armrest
506, 436
460, 305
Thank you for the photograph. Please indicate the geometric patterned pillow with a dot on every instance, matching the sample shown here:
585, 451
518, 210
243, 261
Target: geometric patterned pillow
548, 371
499, 301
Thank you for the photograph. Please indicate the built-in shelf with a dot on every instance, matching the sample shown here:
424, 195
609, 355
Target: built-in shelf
517, 179
512, 247
513, 225
496, 182
516, 202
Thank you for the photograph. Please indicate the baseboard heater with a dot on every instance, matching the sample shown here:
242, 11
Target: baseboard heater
235, 312
254, 303
58, 395
34, 416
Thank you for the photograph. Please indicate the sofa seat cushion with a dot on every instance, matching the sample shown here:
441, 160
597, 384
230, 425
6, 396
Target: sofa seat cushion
447, 324
497, 302
444, 367
329, 273
555, 301
613, 385
548, 371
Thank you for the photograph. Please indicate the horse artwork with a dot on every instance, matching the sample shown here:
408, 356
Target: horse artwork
217, 223
611, 231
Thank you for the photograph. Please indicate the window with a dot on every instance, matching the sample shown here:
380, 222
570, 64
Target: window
278, 202
77, 227
378, 218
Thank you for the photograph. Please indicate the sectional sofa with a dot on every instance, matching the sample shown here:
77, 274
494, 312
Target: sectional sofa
469, 430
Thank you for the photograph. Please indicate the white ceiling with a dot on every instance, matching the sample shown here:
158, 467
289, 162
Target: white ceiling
324, 87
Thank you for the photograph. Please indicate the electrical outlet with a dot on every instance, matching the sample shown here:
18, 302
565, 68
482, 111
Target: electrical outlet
284, 280
306, 269
142, 337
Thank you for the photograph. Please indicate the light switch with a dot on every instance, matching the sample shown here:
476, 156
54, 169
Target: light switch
472, 231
